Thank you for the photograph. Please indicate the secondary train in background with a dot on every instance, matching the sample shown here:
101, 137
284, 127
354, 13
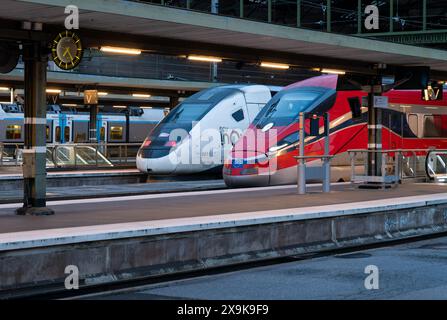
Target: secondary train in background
408, 123
71, 126
199, 132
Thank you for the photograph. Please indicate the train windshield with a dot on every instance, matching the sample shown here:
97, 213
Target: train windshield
187, 114
286, 106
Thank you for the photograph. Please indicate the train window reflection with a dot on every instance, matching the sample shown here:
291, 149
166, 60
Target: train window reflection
14, 132
102, 134
413, 123
287, 108
435, 126
66, 134
116, 133
187, 112
58, 134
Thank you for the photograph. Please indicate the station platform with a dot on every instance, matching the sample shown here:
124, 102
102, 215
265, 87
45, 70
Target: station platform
149, 235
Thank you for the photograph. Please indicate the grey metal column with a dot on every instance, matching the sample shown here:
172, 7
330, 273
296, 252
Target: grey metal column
34, 152
374, 133
302, 161
93, 138
326, 161
214, 10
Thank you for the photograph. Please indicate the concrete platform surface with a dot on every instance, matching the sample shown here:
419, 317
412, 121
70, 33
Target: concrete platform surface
109, 190
107, 218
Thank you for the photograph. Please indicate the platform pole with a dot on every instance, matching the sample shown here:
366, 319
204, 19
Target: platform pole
326, 161
34, 150
302, 161
374, 132
92, 124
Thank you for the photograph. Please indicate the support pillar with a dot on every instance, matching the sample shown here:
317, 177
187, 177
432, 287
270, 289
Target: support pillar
34, 151
93, 138
374, 132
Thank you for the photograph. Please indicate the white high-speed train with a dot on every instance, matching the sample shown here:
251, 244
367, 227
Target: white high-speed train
197, 135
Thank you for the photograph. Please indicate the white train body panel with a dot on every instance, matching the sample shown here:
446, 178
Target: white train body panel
202, 145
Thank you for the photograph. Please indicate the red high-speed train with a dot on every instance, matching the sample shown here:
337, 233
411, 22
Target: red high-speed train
265, 154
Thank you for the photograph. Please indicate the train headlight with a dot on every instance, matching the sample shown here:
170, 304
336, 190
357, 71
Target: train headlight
278, 147
146, 143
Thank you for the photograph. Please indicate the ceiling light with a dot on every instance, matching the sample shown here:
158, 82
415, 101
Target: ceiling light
120, 107
205, 58
141, 95
121, 50
275, 65
4, 89
102, 93
53, 91
332, 71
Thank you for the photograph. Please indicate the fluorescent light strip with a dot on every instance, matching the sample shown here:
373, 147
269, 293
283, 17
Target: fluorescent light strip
120, 107
333, 71
141, 95
275, 65
121, 50
4, 89
205, 58
53, 91
102, 93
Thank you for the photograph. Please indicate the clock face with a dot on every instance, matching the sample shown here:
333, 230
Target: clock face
67, 50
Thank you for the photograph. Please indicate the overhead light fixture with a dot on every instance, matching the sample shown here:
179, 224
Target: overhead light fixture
275, 65
141, 95
145, 107
205, 58
121, 50
69, 105
332, 71
120, 107
102, 93
4, 89
53, 91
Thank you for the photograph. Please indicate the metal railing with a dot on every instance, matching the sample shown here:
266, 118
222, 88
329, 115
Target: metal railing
79, 155
397, 165
436, 165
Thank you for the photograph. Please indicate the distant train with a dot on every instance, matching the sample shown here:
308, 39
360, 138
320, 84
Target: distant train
408, 123
198, 133
73, 127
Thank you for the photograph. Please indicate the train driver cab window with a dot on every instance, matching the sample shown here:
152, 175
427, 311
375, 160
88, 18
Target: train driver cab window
435, 126
116, 133
57, 137
413, 123
238, 115
14, 132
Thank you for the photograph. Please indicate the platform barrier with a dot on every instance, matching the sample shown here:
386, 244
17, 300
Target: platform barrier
76, 155
397, 165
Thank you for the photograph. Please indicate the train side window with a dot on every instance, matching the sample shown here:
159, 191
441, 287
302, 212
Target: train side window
238, 115
102, 134
356, 107
435, 126
67, 134
116, 133
57, 137
14, 132
48, 133
413, 123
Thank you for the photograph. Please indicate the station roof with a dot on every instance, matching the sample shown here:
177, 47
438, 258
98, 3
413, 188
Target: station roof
179, 27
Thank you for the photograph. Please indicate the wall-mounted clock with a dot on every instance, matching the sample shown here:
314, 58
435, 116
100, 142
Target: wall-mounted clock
66, 50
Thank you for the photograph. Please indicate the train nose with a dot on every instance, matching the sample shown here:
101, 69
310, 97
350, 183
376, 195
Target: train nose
161, 166
252, 172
